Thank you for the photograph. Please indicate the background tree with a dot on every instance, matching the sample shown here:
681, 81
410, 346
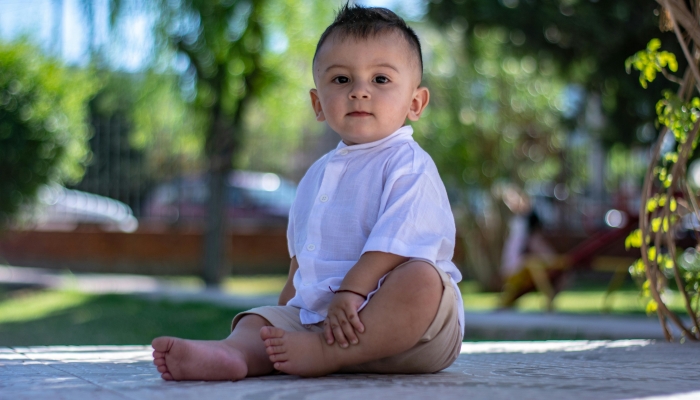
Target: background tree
587, 40
43, 124
227, 56
493, 122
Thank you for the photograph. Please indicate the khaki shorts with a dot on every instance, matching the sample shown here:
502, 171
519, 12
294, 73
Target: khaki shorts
435, 351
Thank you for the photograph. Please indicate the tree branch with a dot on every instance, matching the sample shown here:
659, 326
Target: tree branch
691, 60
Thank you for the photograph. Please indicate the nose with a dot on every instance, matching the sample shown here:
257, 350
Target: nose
359, 90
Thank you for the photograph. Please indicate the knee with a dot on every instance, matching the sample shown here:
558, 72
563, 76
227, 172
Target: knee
417, 275
252, 321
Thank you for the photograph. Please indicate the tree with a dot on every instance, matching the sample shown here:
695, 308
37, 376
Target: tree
493, 121
587, 40
43, 129
229, 64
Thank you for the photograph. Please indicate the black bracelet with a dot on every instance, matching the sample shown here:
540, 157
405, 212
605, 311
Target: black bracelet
348, 291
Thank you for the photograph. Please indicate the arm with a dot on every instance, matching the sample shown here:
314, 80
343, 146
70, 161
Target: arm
288, 291
343, 321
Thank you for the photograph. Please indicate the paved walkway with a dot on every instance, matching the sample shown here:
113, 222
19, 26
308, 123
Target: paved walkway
597, 370
572, 369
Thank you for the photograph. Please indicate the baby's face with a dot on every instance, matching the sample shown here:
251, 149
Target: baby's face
365, 89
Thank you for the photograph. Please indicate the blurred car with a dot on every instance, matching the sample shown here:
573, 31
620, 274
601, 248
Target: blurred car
253, 199
61, 209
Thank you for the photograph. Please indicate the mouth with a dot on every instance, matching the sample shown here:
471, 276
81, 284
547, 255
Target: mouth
359, 114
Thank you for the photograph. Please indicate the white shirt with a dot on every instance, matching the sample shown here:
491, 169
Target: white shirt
381, 196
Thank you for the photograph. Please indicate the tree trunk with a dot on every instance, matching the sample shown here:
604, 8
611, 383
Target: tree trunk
214, 246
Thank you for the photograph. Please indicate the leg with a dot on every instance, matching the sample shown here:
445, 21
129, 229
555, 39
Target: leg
395, 319
239, 355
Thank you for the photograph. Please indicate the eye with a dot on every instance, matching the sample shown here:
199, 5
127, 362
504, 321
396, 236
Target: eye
381, 79
341, 79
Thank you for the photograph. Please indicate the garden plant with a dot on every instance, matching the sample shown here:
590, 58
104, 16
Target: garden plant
668, 200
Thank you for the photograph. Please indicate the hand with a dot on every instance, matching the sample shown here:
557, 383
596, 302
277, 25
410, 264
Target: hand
343, 321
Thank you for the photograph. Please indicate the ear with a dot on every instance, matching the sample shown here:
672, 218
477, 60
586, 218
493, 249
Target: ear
421, 97
316, 105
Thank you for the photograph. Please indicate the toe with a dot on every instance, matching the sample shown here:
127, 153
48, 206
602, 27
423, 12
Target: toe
274, 342
279, 357
167, 376
159, 361
158, 354
162, 344
162, 369
270, 332
274, 350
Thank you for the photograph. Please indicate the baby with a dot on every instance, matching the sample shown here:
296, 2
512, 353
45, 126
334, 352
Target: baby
371, 284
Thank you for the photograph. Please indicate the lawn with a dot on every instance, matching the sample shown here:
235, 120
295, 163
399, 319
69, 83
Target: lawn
73, 318
69, 317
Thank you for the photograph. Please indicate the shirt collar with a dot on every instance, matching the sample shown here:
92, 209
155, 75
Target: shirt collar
403, 134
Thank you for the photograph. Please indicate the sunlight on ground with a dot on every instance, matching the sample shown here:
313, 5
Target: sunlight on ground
38, 305
574, 301
526, 347
254, 285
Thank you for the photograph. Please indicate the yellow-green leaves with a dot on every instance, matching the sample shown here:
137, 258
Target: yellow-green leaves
659, 223
651, 61
634, 239
677, 115
636, 270
659, 200
652, 306
651, 253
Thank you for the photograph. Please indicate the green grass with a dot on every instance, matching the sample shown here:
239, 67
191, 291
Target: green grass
584, 300
71, 318
50, 317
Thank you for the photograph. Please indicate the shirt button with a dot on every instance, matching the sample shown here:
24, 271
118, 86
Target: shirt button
324, 198
343, 152
311, 247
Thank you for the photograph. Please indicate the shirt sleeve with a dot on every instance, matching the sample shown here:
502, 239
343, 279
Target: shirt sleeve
290, 233
415, 221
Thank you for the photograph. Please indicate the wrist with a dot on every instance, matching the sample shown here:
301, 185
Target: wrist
364, 296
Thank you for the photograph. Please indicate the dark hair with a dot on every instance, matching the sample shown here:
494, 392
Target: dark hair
364, 22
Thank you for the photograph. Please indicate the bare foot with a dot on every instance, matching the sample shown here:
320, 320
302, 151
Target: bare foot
197, 360
298, 353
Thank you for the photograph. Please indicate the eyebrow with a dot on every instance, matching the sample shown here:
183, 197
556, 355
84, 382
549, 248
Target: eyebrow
386, 65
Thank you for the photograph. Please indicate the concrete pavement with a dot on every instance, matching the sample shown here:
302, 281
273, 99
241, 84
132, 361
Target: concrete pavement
568, 369
596, 370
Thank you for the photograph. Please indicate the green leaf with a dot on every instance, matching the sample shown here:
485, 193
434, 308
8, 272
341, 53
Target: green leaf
652, 204
653, 45
634, 239
652, 306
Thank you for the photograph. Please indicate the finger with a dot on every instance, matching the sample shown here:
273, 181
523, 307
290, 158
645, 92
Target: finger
338, 332
348, 330
354, 319
328, 332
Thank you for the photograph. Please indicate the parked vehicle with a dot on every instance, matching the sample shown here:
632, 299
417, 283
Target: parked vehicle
253, 199
61, 209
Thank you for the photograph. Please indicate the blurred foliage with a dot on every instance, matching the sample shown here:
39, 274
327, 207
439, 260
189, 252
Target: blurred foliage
281, 124
43, 129
165, 127
493, 121
588, 41
170, 122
